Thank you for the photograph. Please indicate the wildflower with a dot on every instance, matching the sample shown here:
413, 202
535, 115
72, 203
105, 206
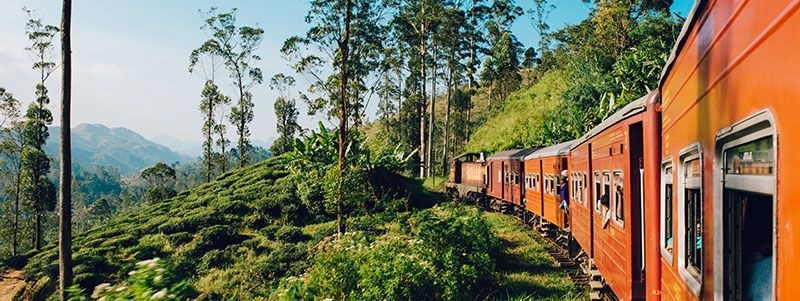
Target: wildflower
121, 288
159, 295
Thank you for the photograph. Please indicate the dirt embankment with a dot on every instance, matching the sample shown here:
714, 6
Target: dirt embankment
10, 284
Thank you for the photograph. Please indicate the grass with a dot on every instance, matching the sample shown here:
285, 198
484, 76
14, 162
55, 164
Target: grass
528, 272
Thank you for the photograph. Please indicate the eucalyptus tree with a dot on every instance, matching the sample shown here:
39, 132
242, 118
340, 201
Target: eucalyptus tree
206, 60
454, 39
318, 56
65, 168
477, 14
539, 14
286, 113
339, 53
412, 24
11, 147
237, 46
36, 189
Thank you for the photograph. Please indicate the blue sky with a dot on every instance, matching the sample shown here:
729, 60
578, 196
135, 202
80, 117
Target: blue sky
130, 57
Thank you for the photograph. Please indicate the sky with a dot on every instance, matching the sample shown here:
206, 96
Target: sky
130, 58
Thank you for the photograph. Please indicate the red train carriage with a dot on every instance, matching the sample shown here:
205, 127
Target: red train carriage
543, 181
729, 96
467, 174
612, 157
504, 175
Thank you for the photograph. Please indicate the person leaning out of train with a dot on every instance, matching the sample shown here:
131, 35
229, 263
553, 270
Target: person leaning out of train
564, 191
605, 205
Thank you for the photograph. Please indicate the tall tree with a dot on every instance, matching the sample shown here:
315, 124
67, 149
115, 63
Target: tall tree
37, 189
317, 56
65, 196
539, 13
211, 100
455, 42
11, 147
207, 59
344, 52
286, 113
413, 23
237, 46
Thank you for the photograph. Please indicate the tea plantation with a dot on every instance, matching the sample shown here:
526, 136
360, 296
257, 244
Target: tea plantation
247, 236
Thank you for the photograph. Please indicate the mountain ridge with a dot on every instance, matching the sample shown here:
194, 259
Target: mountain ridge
95, 144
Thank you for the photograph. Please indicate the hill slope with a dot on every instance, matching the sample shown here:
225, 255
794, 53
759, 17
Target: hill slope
249, 236
124, 149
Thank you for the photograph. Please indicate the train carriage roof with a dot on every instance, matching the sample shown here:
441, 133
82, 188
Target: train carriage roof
512, 154
691, 20
633, 108
562, 148
470, 157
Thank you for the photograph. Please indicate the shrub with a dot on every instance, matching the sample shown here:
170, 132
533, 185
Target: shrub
289, 234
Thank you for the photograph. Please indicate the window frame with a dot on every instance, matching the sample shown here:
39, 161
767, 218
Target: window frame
614, 184
667, 163
584, 190
759, 125
598, 187
694, 151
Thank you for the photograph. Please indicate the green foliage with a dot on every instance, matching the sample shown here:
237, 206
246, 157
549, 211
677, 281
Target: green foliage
441, 253
520, 122
595, 67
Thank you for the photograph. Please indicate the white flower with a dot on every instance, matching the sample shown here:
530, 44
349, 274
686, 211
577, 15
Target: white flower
157, 278
159, 295
121, 288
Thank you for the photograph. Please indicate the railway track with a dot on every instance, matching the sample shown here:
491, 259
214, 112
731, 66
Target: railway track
557, 246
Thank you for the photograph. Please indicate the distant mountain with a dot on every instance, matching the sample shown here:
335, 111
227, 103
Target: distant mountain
195, 148
183, 147
124, 149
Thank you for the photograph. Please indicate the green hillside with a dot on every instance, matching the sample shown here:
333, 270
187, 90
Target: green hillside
247, 236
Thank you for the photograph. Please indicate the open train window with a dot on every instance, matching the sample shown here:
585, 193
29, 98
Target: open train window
691, 217
746, 158
619, 198
667, 243
597, 191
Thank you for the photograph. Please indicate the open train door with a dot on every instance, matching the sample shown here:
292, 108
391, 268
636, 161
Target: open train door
636, 163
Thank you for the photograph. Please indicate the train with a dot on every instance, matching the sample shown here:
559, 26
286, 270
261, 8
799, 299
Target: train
684, 193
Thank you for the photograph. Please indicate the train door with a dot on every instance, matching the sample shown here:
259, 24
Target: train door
564, 212
748, 207
636, 182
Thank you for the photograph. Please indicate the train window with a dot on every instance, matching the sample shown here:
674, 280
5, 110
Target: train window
597, 191
691, 220
746, 161
667, 242
619, 198
499, 176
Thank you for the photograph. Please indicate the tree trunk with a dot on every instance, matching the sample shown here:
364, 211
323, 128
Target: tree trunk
469, 113
37, 235
423, 105
399, 106
209, 141
447, 120
65, 204
345, 51
17, 184
432, 116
